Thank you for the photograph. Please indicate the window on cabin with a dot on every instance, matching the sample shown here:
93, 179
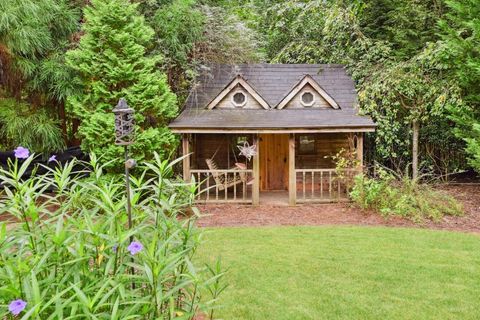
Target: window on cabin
306, 145
239, 99
307, 99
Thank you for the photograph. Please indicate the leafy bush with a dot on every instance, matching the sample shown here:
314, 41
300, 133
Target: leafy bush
72, 256
33, 129
402, 196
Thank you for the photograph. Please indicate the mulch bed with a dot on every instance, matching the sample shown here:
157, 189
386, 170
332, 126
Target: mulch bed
339, 214
231, 215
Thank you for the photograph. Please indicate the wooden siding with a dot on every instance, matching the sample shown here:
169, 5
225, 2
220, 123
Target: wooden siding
308, 173
226, 102
319, 101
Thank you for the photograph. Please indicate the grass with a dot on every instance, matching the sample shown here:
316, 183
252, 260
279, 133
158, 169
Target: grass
346, 273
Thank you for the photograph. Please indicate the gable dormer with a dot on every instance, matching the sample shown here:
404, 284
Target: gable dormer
238, 94
307, 93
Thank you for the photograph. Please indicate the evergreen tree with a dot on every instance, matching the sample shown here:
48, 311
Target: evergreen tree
461, 36
34, 36
111, 62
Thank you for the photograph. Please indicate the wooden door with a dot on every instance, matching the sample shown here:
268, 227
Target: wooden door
273, 150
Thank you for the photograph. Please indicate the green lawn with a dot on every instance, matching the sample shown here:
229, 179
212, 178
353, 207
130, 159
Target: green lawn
346, 273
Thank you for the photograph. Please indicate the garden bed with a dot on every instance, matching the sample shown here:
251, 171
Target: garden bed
341, 213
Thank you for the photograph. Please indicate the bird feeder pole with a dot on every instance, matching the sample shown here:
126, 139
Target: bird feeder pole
124, 136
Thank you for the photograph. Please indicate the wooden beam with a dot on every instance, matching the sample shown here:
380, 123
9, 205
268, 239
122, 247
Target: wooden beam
292, 177
267, 130
360, 150
256, 173
186, 160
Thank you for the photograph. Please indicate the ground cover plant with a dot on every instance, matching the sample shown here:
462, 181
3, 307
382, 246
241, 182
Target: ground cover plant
71, 255
398, 195
346, 273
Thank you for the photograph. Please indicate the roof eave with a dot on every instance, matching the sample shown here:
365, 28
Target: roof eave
325, 129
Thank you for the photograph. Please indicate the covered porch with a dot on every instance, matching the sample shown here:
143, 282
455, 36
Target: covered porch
288, 167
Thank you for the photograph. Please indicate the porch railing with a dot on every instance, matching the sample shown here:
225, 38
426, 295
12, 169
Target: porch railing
323, 185
223, 189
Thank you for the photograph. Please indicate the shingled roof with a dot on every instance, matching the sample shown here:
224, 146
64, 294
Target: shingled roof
272, 82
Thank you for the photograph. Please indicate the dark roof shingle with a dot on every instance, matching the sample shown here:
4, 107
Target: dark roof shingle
273, 82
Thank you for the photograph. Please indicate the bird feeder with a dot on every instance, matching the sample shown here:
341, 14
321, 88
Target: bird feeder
124, 123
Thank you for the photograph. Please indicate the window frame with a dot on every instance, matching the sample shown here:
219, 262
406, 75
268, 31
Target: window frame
239, 105
312, 151
307, 104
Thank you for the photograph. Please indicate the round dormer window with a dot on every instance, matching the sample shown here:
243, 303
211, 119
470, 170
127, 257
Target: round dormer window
239, 99
307, 99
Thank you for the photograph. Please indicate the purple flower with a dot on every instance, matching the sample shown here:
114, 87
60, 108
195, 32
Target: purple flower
17, 306
52, 158
135, 247
21, 152
115, 248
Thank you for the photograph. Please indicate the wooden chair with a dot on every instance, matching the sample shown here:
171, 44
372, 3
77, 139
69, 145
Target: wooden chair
222, 180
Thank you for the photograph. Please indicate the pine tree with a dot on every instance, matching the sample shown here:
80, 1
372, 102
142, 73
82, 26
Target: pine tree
461, 34
34, 36
111, 62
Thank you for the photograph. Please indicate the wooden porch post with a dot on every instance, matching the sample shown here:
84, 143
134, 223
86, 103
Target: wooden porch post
292, 177
186, 160
256, 173
360, 150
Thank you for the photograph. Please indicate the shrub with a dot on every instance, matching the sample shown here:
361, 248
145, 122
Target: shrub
72, 256
33, 129
112, 62
402, 196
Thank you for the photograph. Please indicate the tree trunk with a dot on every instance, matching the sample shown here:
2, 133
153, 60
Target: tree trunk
63, 119
75, 124
416, 130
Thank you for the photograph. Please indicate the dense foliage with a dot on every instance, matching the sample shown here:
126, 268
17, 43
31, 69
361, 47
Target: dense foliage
461, 35
72, 256
34, 36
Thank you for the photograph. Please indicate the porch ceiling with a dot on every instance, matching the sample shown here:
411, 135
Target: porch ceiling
237, 120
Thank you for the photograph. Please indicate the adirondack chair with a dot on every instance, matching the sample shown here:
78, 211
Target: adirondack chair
223, 180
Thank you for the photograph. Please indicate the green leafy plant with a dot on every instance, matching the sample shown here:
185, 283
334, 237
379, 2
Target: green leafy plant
392, 195
33, 129
347, 165
70, 254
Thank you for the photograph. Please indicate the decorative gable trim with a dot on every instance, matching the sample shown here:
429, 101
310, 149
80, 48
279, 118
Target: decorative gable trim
300, 85
238, 80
